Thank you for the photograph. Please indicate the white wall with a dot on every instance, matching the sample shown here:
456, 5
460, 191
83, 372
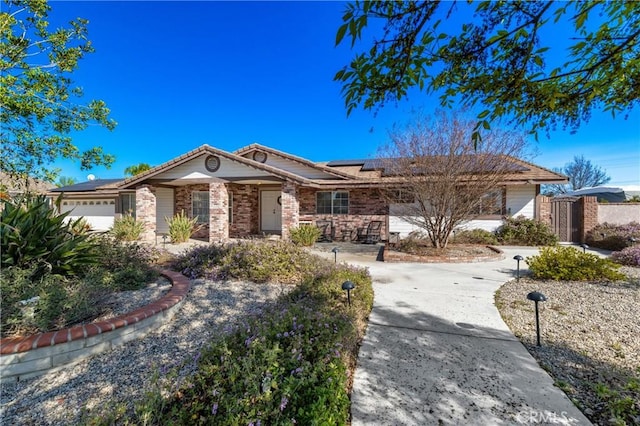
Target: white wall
520, 200
164, 207
98, 213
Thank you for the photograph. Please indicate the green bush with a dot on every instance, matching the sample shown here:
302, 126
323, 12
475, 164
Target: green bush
257, 261
288, 365
127, 228
33, 235
522, 231
47, 303
570, 264
33, 301
474, 236
613, 237
305, 235
181, 228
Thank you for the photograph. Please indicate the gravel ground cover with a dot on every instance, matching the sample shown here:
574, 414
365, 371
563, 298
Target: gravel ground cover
590, 342
122, 375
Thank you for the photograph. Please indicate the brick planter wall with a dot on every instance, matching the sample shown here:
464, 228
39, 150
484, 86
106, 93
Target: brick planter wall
30, 356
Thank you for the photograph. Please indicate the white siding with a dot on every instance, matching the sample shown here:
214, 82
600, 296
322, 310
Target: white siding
297, 168
195, 169
164, 207
99, 214
521, 200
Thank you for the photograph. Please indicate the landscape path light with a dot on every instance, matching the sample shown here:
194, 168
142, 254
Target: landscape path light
164, 241
518, 258
584, 247
335, 251
348, 286
536, 296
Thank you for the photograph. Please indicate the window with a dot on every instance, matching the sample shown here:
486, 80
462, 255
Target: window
490, 203
402, 196
128, 204
332, 202
200, 206
230, 207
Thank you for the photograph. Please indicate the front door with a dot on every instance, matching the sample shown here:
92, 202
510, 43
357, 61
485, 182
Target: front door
271, 212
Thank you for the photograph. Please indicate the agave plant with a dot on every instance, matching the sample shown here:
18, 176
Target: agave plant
33, 234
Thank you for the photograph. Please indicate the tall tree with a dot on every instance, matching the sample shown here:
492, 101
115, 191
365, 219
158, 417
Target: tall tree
137, 169
581, 173
442, 179
38, 109
495, 61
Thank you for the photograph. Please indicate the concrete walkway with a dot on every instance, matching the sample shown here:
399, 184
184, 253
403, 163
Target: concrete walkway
437, 351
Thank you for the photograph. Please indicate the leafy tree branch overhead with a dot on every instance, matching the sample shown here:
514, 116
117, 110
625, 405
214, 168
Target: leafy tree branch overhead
40, 105
491, 56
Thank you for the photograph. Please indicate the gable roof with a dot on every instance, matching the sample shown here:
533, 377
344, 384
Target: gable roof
317, 166
207, 149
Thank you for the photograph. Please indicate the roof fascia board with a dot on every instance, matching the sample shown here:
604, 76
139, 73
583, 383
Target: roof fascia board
287, 156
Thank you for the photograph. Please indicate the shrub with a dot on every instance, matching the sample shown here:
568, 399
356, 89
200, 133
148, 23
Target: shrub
474, 236
33, 301
127, 228
305, 235
613, 237
629, 256
288, 365
257, 261
570, 264
33, 235
181, 228
525, 232
46, 303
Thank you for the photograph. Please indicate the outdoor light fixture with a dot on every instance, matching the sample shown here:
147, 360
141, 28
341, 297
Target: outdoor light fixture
632, 240
584, 247
164, 241
335, 251
348, 286
518, 258
536, 296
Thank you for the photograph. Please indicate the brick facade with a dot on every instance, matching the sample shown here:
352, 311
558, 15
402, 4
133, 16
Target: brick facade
183, 203
146, 211
298, 204
218, 212
589, 207
290, 208
543, 209
365, 205
246, 216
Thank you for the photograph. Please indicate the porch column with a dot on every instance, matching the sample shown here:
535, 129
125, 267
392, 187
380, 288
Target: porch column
218, 212
290, 208
146, 211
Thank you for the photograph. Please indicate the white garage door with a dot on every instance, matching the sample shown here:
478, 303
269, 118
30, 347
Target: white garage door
98, 213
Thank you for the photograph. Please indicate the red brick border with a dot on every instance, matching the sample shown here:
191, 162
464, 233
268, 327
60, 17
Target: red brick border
179, 289
396, 256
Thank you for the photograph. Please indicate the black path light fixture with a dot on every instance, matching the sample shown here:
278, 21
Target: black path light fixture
164, 241
584, 247
536, 296
518, 258
335, 251
348, 286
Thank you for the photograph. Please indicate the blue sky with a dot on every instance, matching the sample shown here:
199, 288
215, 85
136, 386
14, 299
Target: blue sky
177, 75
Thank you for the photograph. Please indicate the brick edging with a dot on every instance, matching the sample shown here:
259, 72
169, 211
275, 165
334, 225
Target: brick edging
18, 355
395, 256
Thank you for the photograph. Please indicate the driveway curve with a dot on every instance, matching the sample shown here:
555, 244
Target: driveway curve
436, 351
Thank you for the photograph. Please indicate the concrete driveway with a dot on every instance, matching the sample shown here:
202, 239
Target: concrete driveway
437, 351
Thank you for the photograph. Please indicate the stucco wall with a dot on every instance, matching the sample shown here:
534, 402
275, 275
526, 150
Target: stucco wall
618, 213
